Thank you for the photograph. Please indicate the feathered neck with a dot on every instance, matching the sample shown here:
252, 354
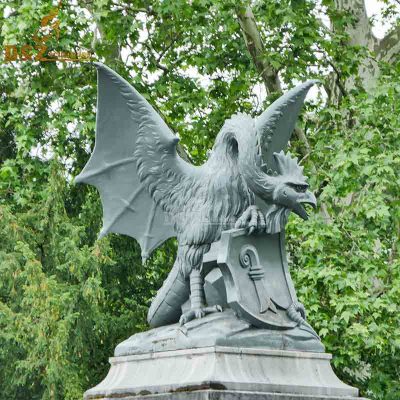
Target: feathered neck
237, 145
276, 218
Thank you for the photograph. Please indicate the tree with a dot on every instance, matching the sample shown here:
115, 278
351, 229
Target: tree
66, 299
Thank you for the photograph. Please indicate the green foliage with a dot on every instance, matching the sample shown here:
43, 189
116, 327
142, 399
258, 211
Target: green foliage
348, 270
66, 299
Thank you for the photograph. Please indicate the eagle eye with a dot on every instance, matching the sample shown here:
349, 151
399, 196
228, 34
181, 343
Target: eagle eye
299, 188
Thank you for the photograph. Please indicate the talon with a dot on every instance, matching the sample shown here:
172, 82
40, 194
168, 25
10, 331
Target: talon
186, 317
254, 217
213, 309
262, 223
239, 224
198, 313
253, 220
300, 308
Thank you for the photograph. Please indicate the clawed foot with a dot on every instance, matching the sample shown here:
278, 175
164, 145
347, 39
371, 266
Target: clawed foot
197, 313
252, 219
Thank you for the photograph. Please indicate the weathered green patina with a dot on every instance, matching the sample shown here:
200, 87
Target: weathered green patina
150, 193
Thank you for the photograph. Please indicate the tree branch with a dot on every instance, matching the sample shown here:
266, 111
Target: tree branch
338, 80
388, 48
114, 49
155, 59
255, 47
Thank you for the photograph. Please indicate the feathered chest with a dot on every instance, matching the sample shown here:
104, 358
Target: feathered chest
212, 205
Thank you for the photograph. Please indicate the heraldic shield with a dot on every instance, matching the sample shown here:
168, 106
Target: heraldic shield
257, 280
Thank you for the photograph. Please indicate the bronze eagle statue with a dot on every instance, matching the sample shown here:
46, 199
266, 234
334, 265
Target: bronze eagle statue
151, 194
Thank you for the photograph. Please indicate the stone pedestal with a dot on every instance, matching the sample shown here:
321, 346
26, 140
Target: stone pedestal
249, 351
231, 395
223, 373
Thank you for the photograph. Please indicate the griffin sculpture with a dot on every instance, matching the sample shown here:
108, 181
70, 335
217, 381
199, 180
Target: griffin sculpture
150, 193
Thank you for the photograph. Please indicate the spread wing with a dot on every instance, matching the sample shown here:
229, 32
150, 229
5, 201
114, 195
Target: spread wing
126, 173
276, 124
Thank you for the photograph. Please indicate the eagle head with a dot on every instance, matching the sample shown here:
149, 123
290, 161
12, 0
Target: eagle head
290, 187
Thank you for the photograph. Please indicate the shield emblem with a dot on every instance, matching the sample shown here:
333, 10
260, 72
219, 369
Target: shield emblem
257, 279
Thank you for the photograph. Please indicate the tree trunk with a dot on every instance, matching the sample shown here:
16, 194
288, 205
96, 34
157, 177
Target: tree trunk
255, 47
360, 34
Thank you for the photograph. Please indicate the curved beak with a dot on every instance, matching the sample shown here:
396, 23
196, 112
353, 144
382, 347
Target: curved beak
307, 198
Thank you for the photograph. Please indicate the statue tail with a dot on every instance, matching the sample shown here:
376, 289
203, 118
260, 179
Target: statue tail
166, 309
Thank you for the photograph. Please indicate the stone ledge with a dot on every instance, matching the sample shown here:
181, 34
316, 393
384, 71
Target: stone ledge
225, 371
223, 350
228, 395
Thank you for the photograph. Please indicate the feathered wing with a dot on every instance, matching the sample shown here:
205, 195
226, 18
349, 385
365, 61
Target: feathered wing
276, 124
125, 166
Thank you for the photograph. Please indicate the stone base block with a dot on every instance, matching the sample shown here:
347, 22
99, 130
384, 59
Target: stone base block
230, 395
223, 373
